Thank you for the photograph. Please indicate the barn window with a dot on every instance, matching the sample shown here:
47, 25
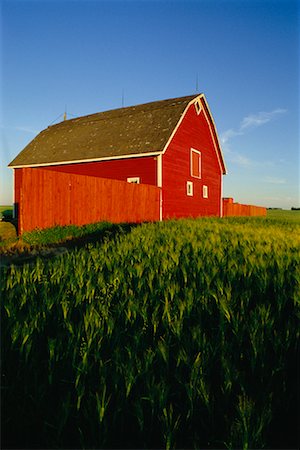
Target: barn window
198, 106
189, 188
135, 180
205, 191
195, 163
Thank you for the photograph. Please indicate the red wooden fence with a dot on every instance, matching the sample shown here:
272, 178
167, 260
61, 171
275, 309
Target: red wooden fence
236, 209
52, 198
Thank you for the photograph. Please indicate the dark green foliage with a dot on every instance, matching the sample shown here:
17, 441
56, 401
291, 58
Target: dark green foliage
178, 334
54, 235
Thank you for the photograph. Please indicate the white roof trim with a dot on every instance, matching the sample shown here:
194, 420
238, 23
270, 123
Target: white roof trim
106, 158
141, 155
216, 144
178, 123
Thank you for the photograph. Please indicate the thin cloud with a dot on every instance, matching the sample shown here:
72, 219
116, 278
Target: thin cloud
282, 199
229, 134
250, 122
237, 158
244, 161
275, 180
20, 128
26, 129
261, 118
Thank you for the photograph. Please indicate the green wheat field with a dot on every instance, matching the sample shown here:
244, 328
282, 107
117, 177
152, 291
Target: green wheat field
179, 334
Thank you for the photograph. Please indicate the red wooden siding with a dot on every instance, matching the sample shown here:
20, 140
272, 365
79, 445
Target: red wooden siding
17, 185
49, 198
117, 169
236, 209
193, 132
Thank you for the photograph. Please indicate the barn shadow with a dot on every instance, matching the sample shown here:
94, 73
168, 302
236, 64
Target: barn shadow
47, 251
109, 232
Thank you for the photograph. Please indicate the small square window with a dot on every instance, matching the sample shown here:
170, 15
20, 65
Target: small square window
135, 180
198, 107
189, 188
205, 191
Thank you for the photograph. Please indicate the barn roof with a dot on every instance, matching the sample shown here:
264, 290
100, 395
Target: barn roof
126, 131
131, 131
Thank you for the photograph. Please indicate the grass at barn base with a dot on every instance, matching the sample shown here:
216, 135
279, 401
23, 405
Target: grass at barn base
10, 243
7, 232
179, 334
59, 235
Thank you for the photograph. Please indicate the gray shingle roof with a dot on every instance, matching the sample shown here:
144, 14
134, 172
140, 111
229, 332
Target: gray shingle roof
132, 130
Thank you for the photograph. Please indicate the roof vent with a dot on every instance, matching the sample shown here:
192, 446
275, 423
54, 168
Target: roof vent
198, 106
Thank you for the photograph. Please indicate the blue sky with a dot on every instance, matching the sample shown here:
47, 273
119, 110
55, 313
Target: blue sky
82, 55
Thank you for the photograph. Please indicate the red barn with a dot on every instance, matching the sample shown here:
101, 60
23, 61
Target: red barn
170, 144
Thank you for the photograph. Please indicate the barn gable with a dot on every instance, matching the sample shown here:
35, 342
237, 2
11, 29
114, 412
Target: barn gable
201, 107
192, 166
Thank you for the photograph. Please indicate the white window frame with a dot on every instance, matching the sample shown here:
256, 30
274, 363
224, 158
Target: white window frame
189, 188
198, 107
205, 191
193, 150
135, 180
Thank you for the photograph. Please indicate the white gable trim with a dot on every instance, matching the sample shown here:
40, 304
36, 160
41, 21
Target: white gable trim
178, 124
217, 145
159, 171
198, 98
159, 184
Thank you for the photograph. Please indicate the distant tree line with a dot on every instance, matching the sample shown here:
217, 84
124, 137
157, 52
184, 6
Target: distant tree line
293, 208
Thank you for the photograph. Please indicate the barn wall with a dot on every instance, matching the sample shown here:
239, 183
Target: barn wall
17, 183
17, 190
117, 169
49, 198
194, 133
236, 209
